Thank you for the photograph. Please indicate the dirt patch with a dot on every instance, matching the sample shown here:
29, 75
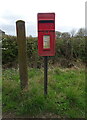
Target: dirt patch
45, 115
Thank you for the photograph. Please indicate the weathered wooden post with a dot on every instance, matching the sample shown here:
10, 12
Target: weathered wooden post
86, 60
22, 57
1, 37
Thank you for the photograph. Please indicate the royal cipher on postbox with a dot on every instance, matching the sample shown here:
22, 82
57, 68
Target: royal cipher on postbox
46, 34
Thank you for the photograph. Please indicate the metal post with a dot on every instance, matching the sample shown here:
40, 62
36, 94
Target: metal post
45, 74
21, 40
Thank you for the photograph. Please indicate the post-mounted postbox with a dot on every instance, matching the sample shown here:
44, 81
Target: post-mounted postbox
46, 34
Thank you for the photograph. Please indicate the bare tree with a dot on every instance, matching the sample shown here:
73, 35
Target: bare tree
58, 34
65, 35
81, 32
73, 32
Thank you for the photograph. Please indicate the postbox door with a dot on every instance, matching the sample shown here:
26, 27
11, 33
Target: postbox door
46, 43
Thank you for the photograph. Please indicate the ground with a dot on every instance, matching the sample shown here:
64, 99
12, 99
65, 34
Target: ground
66, 94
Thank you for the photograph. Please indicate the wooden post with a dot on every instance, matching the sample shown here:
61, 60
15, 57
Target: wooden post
45, 74
21, 40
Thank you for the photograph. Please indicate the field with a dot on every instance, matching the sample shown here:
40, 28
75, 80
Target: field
65, 99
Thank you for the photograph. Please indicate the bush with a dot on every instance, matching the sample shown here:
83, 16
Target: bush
9, 50
66, 49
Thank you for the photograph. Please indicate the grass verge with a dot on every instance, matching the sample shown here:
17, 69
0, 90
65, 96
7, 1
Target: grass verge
66, 93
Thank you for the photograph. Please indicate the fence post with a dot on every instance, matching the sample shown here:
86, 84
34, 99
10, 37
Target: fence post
22, 57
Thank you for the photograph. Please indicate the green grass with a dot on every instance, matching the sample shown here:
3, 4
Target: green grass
66, 93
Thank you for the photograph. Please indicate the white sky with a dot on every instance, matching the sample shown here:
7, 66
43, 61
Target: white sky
70, 14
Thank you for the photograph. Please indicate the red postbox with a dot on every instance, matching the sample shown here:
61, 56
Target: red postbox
46, 34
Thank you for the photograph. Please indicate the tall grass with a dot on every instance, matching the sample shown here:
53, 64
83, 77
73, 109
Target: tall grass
66, 93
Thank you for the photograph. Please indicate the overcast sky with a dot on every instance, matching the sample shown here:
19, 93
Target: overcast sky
70, 14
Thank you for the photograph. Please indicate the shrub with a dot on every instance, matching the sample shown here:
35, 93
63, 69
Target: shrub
66, 50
